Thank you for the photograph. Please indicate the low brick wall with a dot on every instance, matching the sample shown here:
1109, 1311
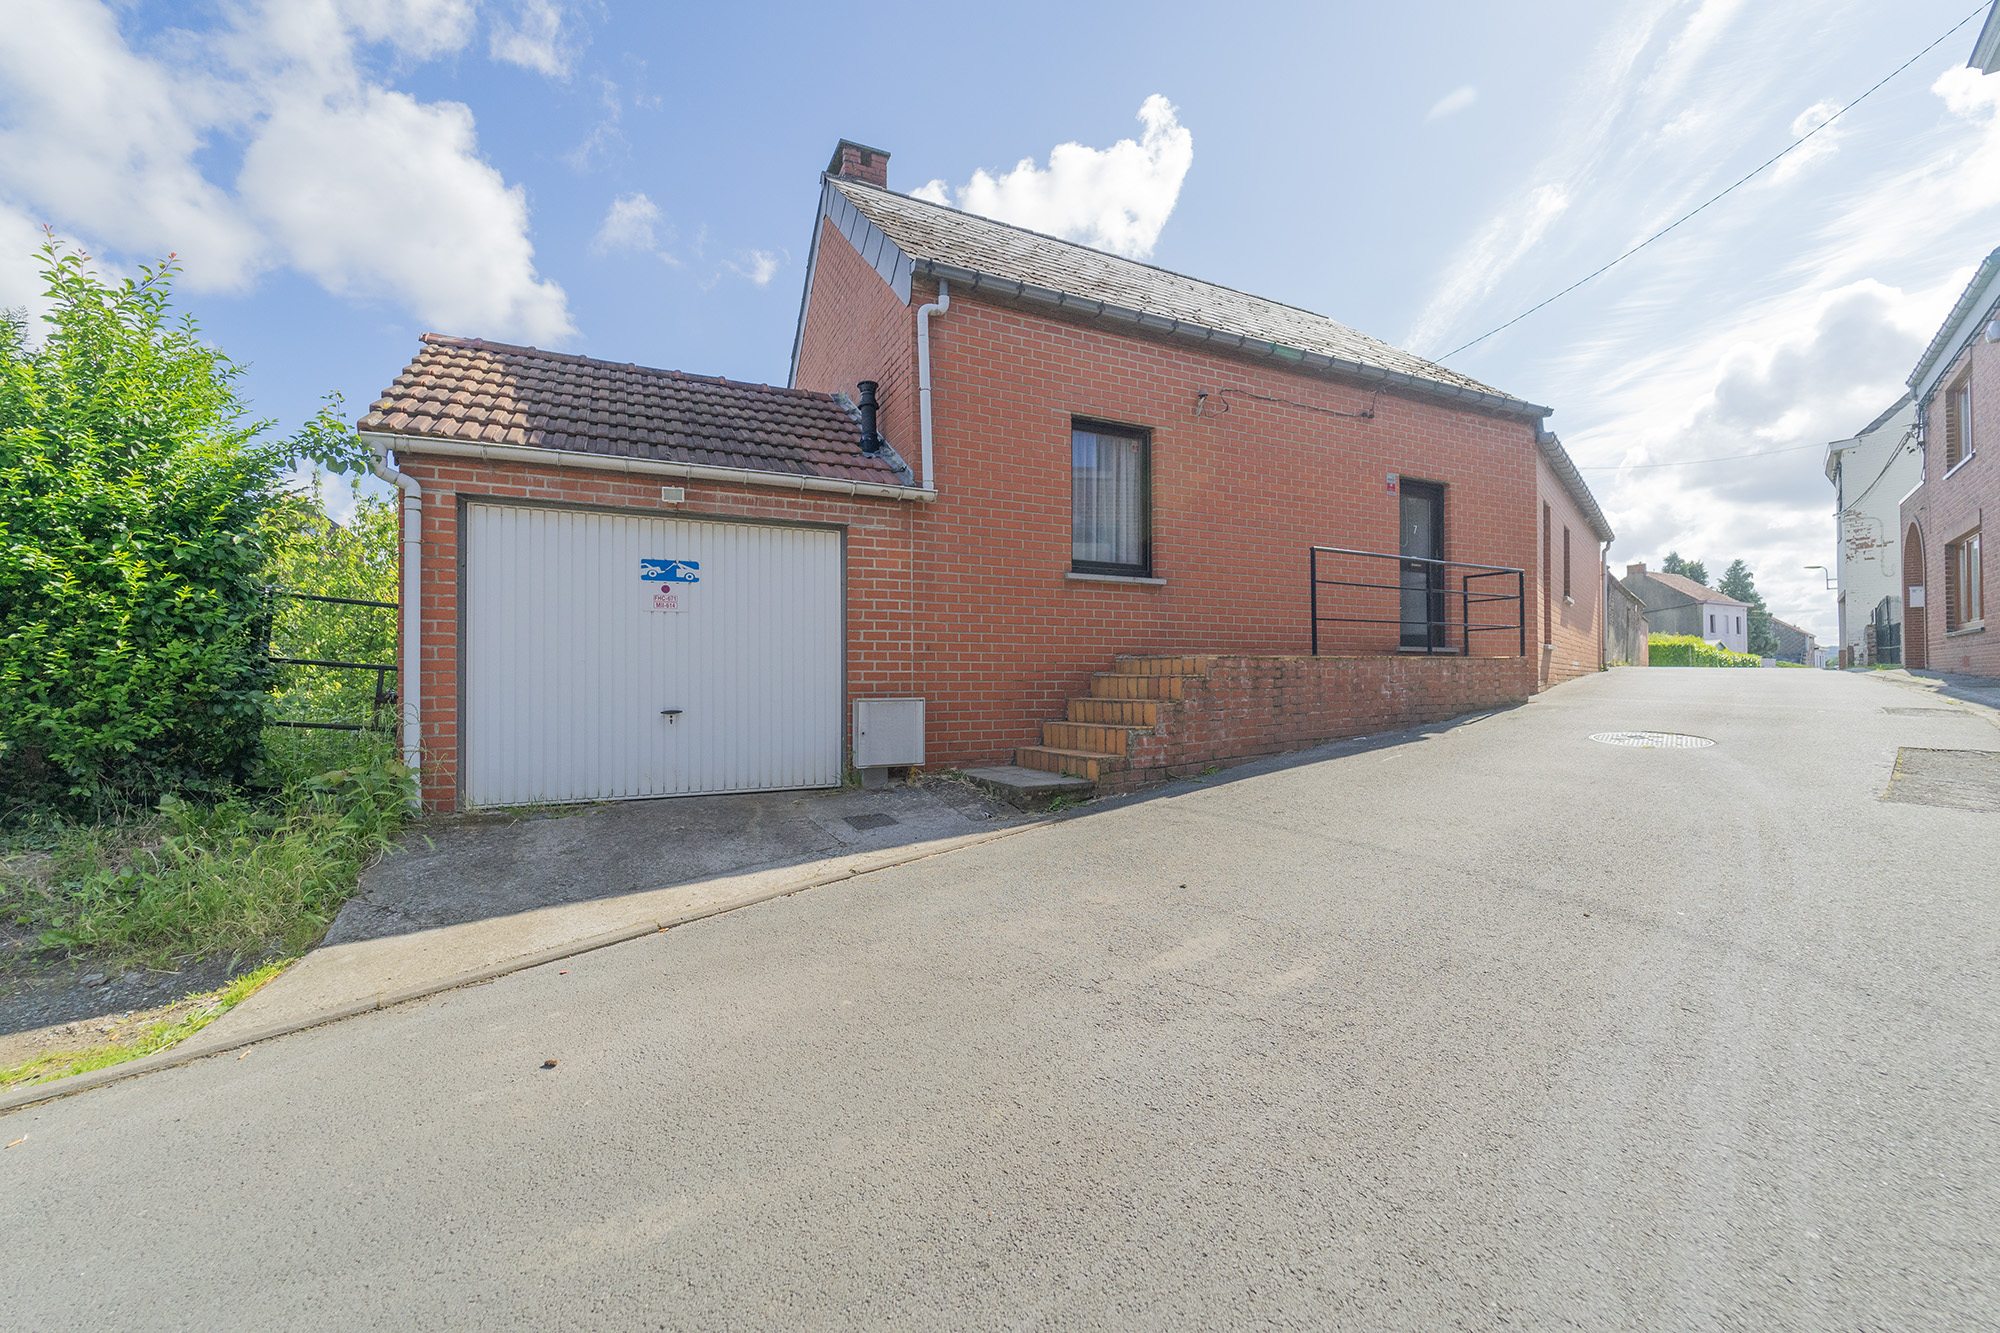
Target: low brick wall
1249, 707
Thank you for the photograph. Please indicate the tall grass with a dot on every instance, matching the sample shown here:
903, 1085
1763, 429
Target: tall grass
244, 874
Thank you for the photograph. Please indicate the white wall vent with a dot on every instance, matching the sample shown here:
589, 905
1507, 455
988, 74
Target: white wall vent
888, 733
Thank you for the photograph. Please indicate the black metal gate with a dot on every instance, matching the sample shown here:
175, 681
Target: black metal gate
1888, 636
385, 698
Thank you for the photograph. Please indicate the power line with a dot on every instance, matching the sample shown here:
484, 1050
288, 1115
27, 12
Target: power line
1732, 189
1691, 462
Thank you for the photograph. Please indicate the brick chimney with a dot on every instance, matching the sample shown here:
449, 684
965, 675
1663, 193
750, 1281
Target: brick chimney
859, 162
1637, 571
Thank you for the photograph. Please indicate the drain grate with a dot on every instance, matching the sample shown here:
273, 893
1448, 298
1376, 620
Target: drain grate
1652, 740
871, 821
1926, 712
1955, 779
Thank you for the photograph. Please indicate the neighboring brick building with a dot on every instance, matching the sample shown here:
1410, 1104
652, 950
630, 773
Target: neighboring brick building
1574, 535
1115, 462
1956, 386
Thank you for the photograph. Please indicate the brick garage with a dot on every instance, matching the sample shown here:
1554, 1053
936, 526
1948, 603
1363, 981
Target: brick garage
1263, 430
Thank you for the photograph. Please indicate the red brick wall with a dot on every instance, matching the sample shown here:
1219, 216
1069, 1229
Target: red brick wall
857, 330
1003, 638
1571, 632
1946, 508
1248, 707
879, 647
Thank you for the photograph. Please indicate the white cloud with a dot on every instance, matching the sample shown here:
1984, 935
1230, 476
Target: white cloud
369, 190
20, 287
1117, 198
534, 39
631, 223
1458, 99
1824, 143
436, 228
101, 141
756, 265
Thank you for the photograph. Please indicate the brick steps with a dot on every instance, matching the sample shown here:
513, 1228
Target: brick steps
1097, 735
1118, 685
1115, 712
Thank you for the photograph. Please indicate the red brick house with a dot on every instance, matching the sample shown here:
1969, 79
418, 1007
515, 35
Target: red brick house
1067, 500
1956, 386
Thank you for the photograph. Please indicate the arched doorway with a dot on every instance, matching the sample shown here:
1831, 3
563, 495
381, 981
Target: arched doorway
1916, 643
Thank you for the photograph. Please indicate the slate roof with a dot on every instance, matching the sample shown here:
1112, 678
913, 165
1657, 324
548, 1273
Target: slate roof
1579, 491
1975, 292
1687, 587
940, 238
472, 390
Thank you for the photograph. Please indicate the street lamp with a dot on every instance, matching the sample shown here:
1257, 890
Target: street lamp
1823, 574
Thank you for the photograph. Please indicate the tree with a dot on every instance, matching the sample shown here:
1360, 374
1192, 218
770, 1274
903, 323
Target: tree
133, 489
1737, 582
1687, 569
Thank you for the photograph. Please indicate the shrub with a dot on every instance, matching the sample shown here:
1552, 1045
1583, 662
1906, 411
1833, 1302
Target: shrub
133, 489
1692, 650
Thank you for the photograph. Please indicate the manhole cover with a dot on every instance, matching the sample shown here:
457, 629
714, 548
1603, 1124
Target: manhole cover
1956, 779
1652, 740
871, 821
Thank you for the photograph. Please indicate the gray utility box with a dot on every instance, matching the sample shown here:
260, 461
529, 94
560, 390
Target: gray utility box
888, 733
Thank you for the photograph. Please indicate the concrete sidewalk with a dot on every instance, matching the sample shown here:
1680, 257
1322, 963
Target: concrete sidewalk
472, 897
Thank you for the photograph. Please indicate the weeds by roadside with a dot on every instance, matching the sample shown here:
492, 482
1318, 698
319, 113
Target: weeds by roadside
148, 1039
243, 874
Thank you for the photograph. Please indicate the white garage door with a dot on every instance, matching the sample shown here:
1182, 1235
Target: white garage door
584, 632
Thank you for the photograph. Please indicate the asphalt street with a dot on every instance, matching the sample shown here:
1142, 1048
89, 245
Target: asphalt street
1494, 1026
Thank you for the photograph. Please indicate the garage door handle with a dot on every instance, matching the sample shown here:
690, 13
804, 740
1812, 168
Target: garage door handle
670, 713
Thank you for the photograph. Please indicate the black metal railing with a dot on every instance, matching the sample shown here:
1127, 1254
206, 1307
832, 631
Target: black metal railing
384, 696
1425, 587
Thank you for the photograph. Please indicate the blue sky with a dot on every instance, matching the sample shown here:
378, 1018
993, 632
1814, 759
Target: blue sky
637, 182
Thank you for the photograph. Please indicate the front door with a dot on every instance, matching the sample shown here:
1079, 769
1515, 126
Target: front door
1422, 539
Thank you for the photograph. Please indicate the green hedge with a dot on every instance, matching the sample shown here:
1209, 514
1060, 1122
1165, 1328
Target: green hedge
135, 494
1692, 650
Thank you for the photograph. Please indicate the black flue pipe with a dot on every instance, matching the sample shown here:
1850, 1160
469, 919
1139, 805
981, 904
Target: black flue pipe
871, 439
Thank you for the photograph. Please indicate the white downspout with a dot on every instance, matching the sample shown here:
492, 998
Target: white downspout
409, 674
924, 313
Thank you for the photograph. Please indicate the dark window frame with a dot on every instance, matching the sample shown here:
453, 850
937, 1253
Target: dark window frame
1119, 430
1964, 582
1958, 442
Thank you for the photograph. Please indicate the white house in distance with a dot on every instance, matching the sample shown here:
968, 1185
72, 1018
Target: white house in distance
1871, 473
1677, 605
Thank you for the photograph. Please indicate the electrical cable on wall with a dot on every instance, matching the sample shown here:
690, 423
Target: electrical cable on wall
1221, 405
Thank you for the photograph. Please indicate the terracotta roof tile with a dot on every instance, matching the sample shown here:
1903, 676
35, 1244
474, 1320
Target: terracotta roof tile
470, 389
1687, 587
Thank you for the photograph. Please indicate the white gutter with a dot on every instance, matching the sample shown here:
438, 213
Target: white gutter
643, 467
409, 678
924, 313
